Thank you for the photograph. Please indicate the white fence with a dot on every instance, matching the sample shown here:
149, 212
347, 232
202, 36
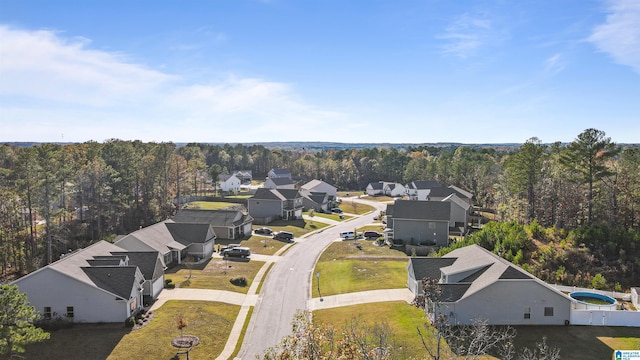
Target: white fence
605, 318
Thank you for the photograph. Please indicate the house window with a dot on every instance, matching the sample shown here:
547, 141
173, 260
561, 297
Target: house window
47, 312
69, 311
432, 225
548, 311
527, 313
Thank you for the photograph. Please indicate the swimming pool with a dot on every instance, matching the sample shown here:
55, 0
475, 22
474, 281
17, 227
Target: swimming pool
590, 300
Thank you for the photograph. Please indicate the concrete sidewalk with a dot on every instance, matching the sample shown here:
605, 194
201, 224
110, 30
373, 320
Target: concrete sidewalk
362, 297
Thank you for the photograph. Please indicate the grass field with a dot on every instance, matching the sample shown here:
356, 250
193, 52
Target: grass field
210, 321
400, 318
208, 205
345, 268
297, 227
258, 244
215, 274
352, 207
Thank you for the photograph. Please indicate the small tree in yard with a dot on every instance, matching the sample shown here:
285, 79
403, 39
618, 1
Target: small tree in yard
181, 323
16, 322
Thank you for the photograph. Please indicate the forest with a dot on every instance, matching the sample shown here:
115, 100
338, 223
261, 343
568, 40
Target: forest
558, 206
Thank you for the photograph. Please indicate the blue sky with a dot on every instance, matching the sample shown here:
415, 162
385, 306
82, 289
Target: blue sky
324, 70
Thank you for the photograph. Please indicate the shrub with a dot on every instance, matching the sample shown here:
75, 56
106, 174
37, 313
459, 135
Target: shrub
239, 281
130, 322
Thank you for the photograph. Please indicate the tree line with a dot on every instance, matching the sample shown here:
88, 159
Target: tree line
56, 198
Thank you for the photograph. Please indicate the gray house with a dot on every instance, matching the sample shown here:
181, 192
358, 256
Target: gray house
419, 223
174, 241
99, 283
271, 204
279, 183
477, 284
279, 173
318, 201
420, 189
227, 224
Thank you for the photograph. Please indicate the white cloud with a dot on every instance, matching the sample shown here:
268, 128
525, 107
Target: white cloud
554, 64
619, 36
53, 85
466, 35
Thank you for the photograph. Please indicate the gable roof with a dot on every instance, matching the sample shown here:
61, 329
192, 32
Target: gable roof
149, 262
154, 237
289, 194
217, 218
281, 171
117, 280
422, 210
311, 185
190, 233
268, 194
377, 185
463, 193
317, 197
481, 267
441, 192
281, 181
225, 177
456, 200
94, 266
424, 184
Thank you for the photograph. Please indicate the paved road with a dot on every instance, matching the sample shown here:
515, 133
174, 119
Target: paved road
286, 288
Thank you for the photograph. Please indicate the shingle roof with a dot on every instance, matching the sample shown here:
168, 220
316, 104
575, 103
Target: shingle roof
268, 194
224, 177
315, 196
429, 267
425, 184
422, 210
282, 181
118, 280
389, 210
281, 171
218, 218
155, 237
461, 192
455, 199
441, 192
377, 185
190, 233
289, 194
149, 263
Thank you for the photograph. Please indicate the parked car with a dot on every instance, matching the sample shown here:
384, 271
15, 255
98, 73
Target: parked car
336, 210
238, 251
263, 231
284, 235
348, 235
372, 234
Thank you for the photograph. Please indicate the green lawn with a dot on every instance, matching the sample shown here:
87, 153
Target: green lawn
210, 321
215, 274
297, 227
379, 198
258, 244
353, 207
400, 318
345, 268
209, 205
332, 216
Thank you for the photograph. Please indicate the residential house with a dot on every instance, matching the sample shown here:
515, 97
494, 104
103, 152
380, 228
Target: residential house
318, 201
245, 176
419, 223
174, 241
321, 187
420, 189
394, 189
374, 188
279, 173
479, 285
99, 283
279, 183
267, 205
228, 183
460, 206
152, 269
227, 224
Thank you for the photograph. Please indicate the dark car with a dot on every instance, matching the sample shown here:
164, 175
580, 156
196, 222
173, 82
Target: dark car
372, 234
263, 231
238, 251
284, 235
336, 210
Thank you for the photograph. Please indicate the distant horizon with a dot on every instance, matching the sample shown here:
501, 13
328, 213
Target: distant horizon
250, 71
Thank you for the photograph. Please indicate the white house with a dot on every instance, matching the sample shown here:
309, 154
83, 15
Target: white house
228, 183
420, 189
95, 284
477, 284
394, 189
374, 188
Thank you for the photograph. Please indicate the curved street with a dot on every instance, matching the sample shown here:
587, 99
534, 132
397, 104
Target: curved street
286, 288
